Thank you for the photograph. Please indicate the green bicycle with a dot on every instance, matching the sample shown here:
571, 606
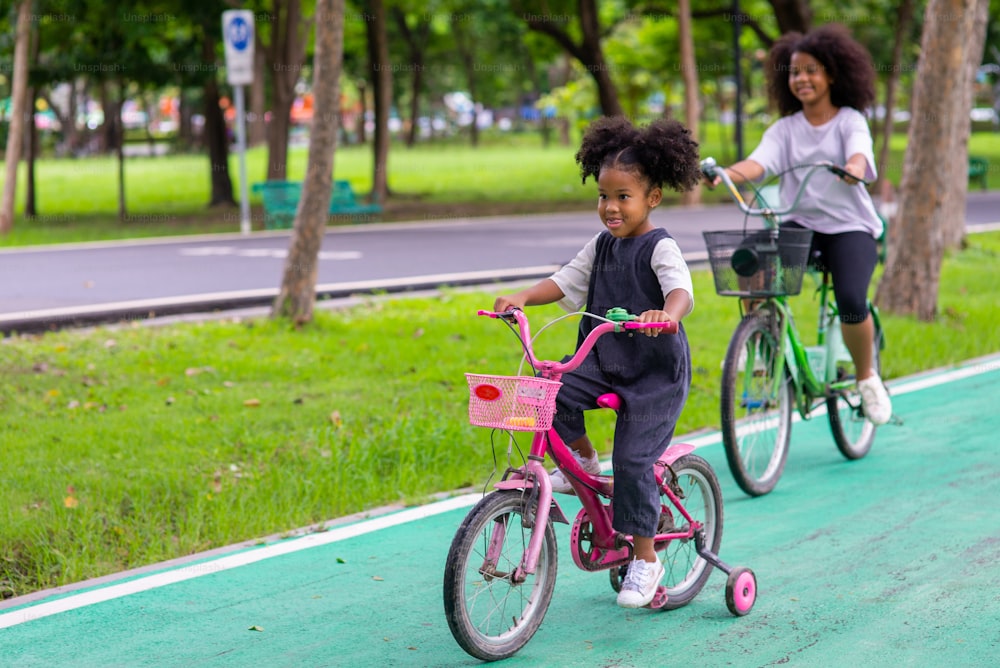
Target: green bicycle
768, 370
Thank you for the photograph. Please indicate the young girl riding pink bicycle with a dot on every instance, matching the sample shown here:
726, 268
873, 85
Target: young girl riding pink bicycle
635, 265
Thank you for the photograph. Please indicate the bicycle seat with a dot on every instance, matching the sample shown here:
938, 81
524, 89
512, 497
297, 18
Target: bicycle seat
610, 400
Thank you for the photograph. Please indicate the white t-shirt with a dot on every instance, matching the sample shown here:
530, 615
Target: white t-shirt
667, 262
828, 204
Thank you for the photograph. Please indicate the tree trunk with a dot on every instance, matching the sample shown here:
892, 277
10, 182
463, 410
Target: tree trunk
689, 71
903, 23
286, 54
595, 62
15, 131
588, 51
256, 128
416, 42
31, 137
119, 144
466, 52
909, 285
975, 21
298, 284
31, 134
216, 136
363, 100
792, 15
378, 55
185, 133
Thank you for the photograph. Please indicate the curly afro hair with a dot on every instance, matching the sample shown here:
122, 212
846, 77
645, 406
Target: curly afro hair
662, 153
847, 63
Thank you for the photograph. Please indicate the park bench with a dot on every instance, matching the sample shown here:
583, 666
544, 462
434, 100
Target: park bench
978, 168
281, 199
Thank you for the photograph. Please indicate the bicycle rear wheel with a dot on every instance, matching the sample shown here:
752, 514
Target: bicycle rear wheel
686, 572
853, 433
489, 615
756, 402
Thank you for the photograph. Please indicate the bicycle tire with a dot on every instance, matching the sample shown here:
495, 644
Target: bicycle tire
853, 433
685, 571
490, 617
756, 416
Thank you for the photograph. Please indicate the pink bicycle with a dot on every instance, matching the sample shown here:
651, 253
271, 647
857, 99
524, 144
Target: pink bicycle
501, 568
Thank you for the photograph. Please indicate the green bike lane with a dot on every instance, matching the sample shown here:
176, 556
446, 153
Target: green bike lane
889, 560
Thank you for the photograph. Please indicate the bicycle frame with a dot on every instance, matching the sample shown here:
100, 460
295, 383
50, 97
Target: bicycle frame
533, 478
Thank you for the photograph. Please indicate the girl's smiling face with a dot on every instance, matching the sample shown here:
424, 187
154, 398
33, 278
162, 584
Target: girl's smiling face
624, 202
807, 79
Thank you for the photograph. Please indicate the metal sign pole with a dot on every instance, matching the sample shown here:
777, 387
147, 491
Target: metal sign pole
237, 33
241, 149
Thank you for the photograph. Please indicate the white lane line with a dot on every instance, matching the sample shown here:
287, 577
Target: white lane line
250, 556
288, 546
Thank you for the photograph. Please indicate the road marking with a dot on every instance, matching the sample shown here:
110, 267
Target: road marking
407, 282
252, 555
278, 253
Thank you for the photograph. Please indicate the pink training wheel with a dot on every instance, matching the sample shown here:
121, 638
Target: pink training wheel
741, 591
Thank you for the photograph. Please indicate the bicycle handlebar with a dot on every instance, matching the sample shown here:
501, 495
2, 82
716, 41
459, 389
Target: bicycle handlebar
711, 169
558, 368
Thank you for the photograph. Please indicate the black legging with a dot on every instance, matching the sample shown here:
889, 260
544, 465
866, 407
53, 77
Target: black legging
850, 257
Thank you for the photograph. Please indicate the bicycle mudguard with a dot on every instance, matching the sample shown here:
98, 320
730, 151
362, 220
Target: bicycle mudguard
555, 512
672, 454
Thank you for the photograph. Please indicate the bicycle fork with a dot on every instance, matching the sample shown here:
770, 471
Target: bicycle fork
539, 507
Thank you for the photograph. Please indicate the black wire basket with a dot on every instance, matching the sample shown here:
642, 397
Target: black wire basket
758, 263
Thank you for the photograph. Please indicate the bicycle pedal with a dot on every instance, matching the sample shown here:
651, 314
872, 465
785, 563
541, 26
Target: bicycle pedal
659, 599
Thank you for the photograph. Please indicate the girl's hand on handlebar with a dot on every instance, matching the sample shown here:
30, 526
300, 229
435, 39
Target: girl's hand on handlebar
506, 303
850, 174
654, 316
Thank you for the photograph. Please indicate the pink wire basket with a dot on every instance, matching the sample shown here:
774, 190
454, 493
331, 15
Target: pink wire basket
518, 403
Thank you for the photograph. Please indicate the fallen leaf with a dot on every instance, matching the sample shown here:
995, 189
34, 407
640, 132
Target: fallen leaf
418, 333
340, 560
70, 502
377, 578
252, 403
255, 628
335, 419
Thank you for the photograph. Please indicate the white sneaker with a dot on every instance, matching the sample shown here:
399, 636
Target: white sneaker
875, 400
641, 580
560, 483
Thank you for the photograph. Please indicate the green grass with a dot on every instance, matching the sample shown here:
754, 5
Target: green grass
128, 446
167, 195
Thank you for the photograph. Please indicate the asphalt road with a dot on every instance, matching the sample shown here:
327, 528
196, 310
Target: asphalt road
45, 287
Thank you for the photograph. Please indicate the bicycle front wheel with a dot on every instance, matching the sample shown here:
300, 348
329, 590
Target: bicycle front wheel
490, 615
853, 433
686, 572
757, 400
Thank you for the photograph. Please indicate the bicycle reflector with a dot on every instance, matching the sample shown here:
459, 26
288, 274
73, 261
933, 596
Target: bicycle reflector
488, 392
